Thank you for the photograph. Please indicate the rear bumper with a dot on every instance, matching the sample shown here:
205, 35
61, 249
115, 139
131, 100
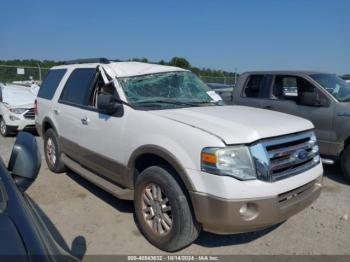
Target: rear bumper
223, 216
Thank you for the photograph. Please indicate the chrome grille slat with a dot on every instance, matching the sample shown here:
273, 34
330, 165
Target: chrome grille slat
288, 162
293, 171
282, 157
287, 150
29, 114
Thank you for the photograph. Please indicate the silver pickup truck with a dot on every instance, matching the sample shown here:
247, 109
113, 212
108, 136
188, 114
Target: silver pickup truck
322, 98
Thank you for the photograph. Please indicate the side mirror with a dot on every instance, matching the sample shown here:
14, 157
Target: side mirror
108, 104
25, 160
312, 99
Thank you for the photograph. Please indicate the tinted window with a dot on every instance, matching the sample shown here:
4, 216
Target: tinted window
254, 86
78, 86
285, 87
290, 87
51, 82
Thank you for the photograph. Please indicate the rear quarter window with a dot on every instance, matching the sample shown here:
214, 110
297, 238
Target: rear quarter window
50, 83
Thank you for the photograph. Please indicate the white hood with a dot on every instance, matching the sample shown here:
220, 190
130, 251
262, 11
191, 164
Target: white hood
18, 96
238, 124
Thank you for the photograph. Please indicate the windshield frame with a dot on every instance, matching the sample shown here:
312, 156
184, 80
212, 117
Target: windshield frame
168, 102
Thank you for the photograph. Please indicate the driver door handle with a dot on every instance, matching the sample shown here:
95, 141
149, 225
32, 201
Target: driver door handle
85, 120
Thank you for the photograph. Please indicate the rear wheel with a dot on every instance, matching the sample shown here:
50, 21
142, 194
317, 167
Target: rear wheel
3, 128
162, 210
345, 163
53, 152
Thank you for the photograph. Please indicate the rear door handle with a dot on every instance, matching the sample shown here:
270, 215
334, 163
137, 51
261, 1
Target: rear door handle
85, 120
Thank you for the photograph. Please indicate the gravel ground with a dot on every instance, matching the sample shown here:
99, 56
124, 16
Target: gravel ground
86, 220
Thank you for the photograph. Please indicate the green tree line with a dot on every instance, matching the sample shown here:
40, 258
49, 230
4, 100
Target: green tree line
175, 61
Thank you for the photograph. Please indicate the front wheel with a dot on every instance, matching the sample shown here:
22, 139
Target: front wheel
345, 163
162, 210
3, 128
53, 152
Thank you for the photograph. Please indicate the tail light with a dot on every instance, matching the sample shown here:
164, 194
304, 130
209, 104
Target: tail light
36, 107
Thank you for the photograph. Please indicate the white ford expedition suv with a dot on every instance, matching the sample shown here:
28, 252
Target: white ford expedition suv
157, 135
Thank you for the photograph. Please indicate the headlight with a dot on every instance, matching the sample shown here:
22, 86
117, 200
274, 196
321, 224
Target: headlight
18, 110
14, 118
235, 161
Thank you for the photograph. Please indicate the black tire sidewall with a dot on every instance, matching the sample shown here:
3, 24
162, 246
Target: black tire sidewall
6, 132
345, 163
177, 199
50, 133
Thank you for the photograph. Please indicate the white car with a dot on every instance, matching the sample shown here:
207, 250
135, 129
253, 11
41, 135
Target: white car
159, 136
16, 108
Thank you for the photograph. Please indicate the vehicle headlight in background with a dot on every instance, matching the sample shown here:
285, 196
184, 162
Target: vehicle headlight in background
14, 118
235, 161
18, 110
315, 149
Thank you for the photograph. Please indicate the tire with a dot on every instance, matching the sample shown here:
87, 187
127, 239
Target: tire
345, 163
4, 131
183, 230
53, 152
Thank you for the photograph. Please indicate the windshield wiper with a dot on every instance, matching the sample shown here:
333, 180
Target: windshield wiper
206, 102
166, 102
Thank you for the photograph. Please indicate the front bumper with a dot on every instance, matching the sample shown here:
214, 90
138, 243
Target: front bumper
223, 216
19, 125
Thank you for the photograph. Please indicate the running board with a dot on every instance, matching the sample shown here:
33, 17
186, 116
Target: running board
119, 192
327, 161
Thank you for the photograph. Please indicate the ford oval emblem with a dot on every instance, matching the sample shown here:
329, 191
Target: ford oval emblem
301, 154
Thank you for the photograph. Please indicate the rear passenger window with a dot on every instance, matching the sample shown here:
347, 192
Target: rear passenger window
78, 86
50, 83
254, 85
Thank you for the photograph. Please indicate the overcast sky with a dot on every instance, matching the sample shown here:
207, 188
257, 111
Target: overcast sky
247, 34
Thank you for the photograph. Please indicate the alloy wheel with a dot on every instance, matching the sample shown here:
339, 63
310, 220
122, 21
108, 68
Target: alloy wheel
156, 209
51, 151
2, 127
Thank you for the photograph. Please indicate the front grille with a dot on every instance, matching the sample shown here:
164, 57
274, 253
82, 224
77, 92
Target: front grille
285, 156
29, 114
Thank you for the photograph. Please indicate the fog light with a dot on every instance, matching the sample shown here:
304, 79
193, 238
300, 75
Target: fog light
248, 211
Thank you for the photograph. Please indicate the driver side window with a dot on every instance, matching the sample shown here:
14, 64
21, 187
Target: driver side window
297, 89
285, 88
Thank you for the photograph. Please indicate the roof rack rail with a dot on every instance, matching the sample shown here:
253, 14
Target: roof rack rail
87, 61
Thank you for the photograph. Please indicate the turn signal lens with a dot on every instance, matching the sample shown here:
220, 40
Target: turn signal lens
209, 158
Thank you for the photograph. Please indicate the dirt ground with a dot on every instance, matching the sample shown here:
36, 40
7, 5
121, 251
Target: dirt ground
85, 220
